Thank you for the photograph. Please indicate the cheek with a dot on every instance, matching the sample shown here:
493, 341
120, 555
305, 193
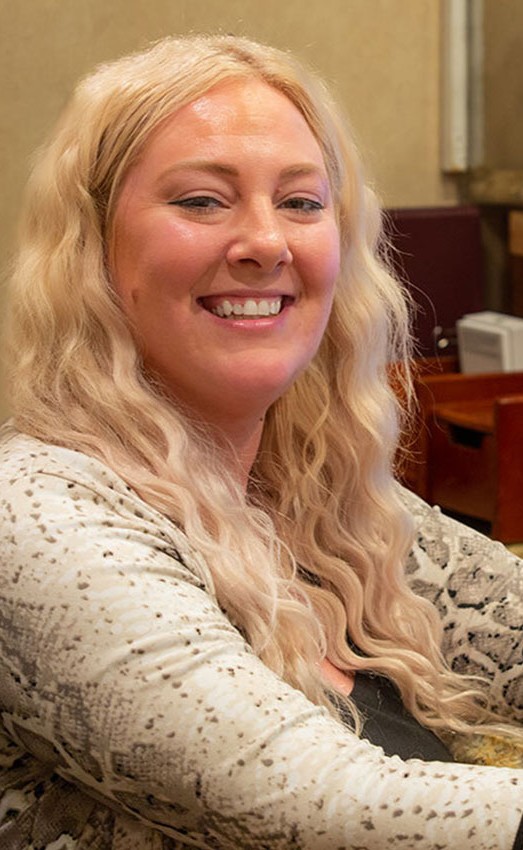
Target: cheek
332, 252
161, 261
323, 262
179, 246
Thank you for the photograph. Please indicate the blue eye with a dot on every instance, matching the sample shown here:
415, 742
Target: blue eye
198, 202
306, 205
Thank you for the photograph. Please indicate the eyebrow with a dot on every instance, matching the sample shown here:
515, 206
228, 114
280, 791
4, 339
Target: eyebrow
227, 170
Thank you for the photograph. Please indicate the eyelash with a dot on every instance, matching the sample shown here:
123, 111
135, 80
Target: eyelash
198, 202
206, 203
306, 205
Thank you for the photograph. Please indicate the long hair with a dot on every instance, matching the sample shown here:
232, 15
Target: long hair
323, 514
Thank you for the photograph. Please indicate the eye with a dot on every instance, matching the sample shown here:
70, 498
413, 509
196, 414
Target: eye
199, 203
306, 205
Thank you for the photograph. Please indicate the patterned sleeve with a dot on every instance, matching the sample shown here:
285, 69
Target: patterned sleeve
477, 586
122, 675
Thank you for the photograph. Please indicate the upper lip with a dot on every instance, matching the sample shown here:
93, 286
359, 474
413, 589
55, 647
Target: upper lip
247, 293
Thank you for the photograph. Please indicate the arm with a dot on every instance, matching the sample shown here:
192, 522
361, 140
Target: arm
119, 656
477, 585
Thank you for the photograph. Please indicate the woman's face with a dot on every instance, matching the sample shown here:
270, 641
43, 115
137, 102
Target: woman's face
226, 250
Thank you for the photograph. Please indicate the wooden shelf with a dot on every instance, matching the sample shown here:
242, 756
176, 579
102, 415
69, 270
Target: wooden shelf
476, 415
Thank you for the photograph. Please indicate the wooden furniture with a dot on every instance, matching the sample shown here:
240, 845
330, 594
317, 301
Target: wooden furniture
466, 449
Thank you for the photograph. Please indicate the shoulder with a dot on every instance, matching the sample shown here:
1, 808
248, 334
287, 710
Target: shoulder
23, 456
450, 552
476, 585
48, 490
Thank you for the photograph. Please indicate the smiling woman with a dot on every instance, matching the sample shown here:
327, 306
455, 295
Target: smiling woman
225, 250
223, 624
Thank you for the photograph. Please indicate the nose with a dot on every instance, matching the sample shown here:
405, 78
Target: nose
260, 240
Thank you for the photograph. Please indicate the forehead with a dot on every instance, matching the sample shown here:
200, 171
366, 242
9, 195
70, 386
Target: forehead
247, 115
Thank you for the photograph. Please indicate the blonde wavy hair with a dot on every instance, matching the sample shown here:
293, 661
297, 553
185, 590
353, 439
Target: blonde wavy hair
323, 513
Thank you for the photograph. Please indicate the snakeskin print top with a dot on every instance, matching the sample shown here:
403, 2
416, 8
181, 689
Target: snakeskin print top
135, 717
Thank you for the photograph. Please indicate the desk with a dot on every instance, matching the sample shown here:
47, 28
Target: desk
467, 447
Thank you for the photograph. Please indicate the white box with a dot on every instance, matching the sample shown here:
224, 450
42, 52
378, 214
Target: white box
490, 342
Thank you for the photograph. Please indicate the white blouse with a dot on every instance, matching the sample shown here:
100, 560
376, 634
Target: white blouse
134, 716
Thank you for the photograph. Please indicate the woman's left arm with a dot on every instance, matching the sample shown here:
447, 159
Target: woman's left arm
477, 586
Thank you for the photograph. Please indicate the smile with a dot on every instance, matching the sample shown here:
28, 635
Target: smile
251, 308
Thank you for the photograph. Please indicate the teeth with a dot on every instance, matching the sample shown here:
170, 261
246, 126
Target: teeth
250, 309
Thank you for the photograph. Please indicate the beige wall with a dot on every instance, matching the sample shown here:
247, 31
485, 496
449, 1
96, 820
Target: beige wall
503, 84
381, 56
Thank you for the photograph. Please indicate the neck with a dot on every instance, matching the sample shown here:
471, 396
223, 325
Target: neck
237, 438
242, 440
237, 429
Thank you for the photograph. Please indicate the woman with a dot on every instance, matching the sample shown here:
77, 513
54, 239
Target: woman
208, 639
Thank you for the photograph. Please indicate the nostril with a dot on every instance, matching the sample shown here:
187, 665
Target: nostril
265, 252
